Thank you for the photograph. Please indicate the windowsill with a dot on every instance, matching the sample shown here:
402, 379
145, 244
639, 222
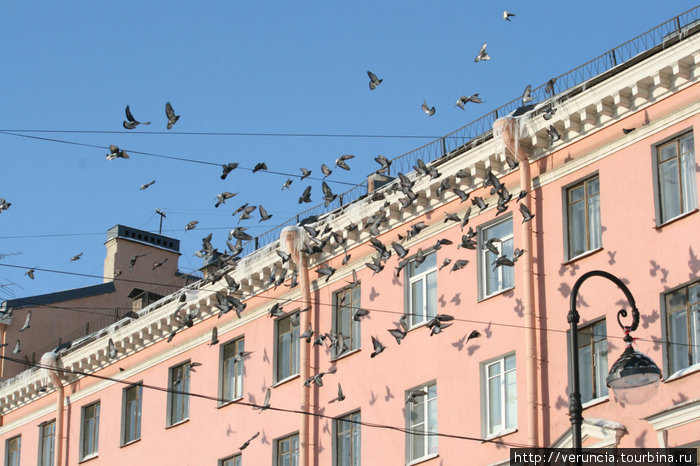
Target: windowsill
284, 381
178, 423
423, 459
346, 354
595, 401
130, 442
582, 255
229, 402
683, 372
676, 218
89, 457
501, 433
497, 293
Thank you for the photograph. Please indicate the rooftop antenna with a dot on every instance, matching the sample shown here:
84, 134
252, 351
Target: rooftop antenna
162, 216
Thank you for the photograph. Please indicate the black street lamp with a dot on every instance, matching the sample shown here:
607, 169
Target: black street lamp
634, 377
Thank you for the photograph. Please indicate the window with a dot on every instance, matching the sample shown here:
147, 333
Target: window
683, 326
500, 410
47, 433
583, 217
287, 451
495, 278
422, 289
12, 447
232, 461
287, 347
347, 301
178, 396
676, 177
593, 361
347, 440
232, 370
421, 418
90, 428
131, 417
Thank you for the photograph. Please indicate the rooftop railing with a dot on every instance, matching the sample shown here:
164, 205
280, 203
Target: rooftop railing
666, 34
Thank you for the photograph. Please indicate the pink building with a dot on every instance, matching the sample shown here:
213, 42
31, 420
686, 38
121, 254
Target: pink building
614, 189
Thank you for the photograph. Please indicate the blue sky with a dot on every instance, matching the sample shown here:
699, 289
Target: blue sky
246, 67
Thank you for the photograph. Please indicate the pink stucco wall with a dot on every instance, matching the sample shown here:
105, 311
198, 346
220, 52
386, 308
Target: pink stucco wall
376, 386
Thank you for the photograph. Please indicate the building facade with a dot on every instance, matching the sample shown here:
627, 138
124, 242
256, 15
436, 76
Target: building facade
476, 362
140, 267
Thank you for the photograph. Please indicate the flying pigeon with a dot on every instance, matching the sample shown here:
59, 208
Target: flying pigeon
340, 396
326, 170
131, 122
483, 55
170, 113
144, 186
428, 111
191, 225
507, 15
527, 98
259, 166
553, 133
228, 168
247, 442
115, 153
263, 214
221, 198
340, 161
377, 346
373, 80
304, 173
76, 257
26, 322
30, 273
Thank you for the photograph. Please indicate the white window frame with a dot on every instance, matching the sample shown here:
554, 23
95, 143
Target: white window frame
235, 460
353, 429
89, 431
504, 425
231, 373
181, 400
427, 403
687, 189
485, 265
293, 458
126, 417
592, 243
294, 349
345, 311
45, 445
426, 312
692, 328
592, 377
13, 460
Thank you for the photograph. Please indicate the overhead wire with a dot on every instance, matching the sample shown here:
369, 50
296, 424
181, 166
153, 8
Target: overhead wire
379, 310
229, 133
171, 157
255, 405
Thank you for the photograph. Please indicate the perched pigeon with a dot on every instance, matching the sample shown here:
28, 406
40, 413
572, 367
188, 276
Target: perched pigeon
259, 166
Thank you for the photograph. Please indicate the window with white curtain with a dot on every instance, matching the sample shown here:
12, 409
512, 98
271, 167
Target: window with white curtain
593, 361
676, 177
583, 217
499, 395
683, 326
493, 278
422, 288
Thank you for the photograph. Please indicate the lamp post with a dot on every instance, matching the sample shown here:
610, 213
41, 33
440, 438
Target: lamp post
634, 377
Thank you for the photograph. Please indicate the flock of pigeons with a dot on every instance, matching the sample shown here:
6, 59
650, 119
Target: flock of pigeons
322, 238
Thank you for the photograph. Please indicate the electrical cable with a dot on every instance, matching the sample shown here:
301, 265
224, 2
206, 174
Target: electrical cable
171, 157
319, 303
256, 406
224, 133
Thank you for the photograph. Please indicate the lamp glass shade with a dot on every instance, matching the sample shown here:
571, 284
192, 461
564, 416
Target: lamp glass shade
634, 378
